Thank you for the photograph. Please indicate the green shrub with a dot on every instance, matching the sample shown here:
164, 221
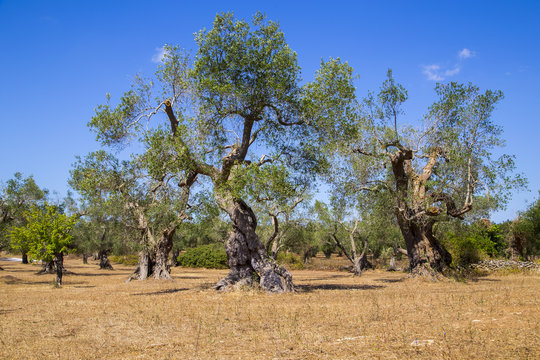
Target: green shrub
291, 259
204, 256
465, 251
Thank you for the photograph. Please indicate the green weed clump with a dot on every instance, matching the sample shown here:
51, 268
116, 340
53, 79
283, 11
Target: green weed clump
204, 256
129, 260
290, 259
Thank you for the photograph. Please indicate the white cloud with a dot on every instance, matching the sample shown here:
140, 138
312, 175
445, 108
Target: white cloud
433, 72
452, 72
159, 55
465, 53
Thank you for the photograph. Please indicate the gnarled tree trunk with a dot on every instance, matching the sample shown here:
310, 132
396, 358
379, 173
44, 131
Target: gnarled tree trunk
104, 262
427, 257
144, 267
246, 254
163, 246
153, 262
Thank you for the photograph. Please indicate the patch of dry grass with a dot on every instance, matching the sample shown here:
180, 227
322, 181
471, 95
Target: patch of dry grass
332, 316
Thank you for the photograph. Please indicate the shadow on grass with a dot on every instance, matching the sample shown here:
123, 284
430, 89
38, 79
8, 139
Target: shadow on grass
5, 311
186, 277
476, 279
12, 280
324, 278
162, 292
309, 288
104, 273
390, 280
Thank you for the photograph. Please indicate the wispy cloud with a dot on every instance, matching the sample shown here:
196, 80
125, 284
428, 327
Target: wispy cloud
159, 55
435, 72
452, 72
465, 53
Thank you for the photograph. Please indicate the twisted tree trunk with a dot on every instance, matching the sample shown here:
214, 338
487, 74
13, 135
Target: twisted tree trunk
162, 269
104, 262
153, 262
427, 257
246, 255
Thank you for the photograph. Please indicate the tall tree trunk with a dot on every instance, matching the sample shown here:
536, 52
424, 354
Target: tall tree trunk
104, 262
153, 262
144, 267
163, 247
24, 257
427, 257
246, 254
59, 263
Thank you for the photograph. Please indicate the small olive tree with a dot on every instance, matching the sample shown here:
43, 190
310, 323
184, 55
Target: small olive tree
46, 235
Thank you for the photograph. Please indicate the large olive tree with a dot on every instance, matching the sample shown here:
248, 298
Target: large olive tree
436, 171
230, 115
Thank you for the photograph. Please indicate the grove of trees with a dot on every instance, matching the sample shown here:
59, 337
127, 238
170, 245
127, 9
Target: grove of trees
227, 146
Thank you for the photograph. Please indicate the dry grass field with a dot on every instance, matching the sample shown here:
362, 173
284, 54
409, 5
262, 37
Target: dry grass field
380, 315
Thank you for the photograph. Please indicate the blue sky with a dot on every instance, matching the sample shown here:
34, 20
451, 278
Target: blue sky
58, 59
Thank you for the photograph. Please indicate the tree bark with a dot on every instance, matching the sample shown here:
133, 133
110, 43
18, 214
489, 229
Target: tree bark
59, 263
85, 258
104, 262
47, 267
153, 262
427, 257
24, 257
163, 247
144, 267
246, 255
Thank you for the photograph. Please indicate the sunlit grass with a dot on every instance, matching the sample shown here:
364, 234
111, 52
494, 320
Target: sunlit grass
332, 316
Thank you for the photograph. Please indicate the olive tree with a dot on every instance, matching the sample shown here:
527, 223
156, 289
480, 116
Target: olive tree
434, 172
232, 112
46, 235
17, 196
124, 192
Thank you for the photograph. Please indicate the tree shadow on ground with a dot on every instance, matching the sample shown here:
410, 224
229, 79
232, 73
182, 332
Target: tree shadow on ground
186, 277
309, 287
115, 273
384, 280
324, 278
476, 279
12, 280
162, 292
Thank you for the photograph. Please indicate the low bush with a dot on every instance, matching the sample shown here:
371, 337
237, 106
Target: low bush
290, 259
204, 256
